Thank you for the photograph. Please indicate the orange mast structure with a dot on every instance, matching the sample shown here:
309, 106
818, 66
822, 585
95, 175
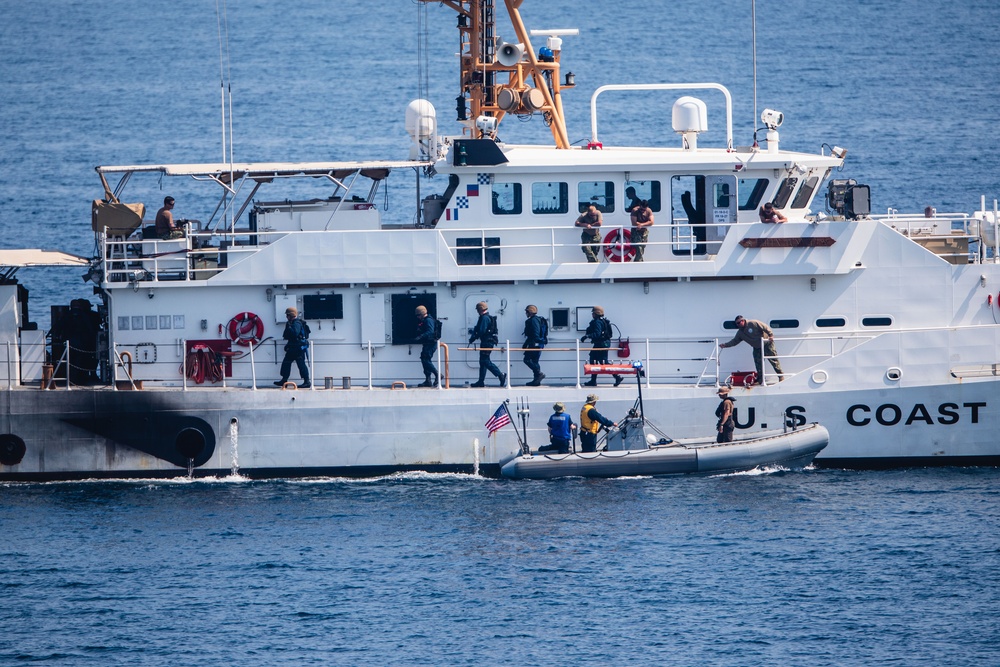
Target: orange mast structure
497, 79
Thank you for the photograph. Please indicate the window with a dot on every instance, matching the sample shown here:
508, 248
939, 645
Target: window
506, 199
785, 191
831, 322
599, 193
559, 319
805, 192
721, 194
323, 306
474, 250
549, 198
751, 191
876, 322
636, 191
784, 324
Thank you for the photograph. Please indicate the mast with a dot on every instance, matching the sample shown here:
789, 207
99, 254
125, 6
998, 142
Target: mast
510, 77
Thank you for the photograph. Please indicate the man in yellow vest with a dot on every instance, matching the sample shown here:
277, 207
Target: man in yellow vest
590, 423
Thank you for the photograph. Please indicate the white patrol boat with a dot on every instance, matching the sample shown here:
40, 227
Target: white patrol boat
886, 326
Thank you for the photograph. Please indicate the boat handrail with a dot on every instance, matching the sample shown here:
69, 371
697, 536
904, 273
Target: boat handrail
663, 86
695, 362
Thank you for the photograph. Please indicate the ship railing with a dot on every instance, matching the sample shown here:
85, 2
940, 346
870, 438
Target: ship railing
200, 255
807, 352
547, 245
671, 361
955, 237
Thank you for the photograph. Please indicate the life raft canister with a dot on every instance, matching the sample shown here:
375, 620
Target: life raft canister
246, 329
618, 246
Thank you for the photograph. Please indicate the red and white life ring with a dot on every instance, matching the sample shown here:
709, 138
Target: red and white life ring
246, 329
617, 245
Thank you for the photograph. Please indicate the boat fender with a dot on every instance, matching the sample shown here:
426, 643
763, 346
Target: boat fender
190, 442
12, 449
618, 247
246, 329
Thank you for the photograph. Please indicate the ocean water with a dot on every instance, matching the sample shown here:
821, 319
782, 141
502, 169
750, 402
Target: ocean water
817, 567
791, 568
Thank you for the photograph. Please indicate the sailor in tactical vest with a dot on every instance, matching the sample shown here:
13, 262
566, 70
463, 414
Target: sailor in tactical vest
486, 331
428, 345
727, 421
297, 335
534, 341
599, 333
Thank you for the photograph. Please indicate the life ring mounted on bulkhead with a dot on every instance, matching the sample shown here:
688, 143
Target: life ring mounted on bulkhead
618, 245
246, 329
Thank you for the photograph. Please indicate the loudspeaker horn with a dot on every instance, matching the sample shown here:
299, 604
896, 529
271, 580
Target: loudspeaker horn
509, 55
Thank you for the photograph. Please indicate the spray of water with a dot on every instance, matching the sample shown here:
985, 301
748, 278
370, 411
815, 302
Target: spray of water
234, 436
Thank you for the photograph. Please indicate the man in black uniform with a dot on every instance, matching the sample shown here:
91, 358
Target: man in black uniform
297, 335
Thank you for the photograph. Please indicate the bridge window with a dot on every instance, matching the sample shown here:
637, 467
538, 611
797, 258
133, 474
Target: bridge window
599, 193
549, 198
805, 192
751, 192
636, 191
506, 199
785, 191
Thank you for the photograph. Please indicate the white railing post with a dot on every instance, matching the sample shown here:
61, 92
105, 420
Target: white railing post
253, 369
507, 355
718, 363
312, 366
578, 364
370, 384
184, 370
645, 364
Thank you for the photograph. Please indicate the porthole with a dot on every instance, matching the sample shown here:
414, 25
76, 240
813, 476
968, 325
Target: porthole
819, 377
893, 374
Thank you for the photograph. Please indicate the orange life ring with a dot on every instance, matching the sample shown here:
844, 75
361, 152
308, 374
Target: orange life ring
246, 329
617, 245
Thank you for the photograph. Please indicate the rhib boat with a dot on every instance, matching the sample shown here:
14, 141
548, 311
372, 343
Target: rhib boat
634, 450
636, 446
886, 325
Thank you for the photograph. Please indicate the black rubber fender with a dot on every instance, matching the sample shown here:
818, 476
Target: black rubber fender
190, 442
12, 449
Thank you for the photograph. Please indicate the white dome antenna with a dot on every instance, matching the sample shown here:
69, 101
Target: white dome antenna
421, 125
689, 118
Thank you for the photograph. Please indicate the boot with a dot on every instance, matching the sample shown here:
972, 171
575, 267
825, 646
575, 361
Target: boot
536, 381
305, 384
280, 383
592, 383
618, 380
426, 383
503, 379
478, 384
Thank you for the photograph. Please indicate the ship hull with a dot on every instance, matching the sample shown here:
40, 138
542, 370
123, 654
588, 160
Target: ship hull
101, 433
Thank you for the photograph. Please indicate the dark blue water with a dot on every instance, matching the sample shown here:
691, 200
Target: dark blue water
809, 568
806, 568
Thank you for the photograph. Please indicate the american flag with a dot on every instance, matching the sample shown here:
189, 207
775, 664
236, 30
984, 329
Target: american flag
499, 419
